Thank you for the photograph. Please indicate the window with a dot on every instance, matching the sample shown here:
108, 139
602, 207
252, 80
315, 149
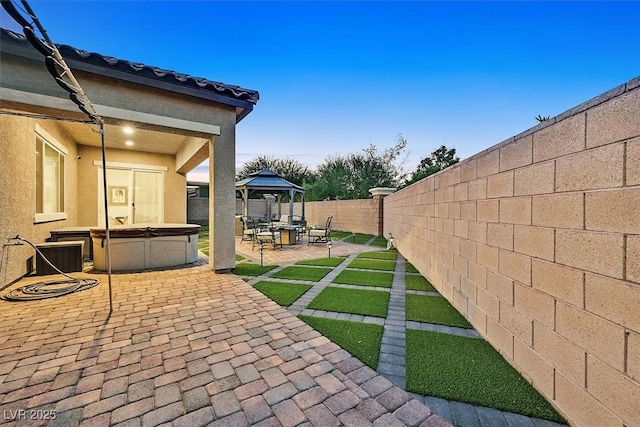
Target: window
50, 178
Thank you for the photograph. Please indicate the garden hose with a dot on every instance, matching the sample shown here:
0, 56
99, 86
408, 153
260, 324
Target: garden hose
49, 288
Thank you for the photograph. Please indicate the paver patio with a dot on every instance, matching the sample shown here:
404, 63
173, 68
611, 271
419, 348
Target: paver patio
187, 347
392, 352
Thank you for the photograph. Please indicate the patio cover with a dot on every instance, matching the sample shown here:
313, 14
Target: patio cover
268, 182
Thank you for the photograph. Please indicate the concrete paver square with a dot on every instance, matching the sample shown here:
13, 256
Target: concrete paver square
184, 346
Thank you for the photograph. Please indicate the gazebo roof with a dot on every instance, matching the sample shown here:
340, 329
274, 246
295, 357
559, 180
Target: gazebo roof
267, 180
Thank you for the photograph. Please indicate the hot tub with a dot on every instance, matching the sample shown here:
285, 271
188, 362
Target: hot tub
145, 246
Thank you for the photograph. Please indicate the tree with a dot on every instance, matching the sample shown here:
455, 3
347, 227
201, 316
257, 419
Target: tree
290, 169
541, 119
351, 176
440, 159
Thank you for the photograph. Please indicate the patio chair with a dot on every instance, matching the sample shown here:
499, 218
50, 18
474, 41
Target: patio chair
248, 229
320, 235
267, 234
301, 226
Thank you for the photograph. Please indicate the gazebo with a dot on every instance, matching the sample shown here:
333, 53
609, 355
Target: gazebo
268, 182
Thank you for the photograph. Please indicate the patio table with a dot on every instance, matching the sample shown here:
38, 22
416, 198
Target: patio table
288, 233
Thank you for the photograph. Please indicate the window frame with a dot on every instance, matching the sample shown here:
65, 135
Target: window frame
48, 140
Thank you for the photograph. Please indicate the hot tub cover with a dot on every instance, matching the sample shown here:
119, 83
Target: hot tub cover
146, 230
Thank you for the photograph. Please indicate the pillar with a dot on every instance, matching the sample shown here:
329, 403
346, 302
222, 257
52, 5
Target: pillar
379, 194
222, 186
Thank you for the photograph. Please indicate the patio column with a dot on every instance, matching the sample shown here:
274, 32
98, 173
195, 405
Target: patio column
378, 194
222, 185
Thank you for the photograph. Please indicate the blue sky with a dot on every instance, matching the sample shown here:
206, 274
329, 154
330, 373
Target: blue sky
336, 76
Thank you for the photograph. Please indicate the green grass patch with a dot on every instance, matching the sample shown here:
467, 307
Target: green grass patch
372, 264
409, 268
322, 262
354, 301
387, 255
348, 237
282, 293
239, 257
365, 278
470, 370
312, 274
379, 241
360, 238
362, 340
418, 283
245, 269
421, 308
203, 239
339, 235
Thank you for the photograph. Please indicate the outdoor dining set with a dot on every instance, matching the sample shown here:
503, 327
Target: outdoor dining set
284, 231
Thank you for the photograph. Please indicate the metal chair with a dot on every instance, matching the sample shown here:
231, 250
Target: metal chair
320, 235
248, 229
267, 234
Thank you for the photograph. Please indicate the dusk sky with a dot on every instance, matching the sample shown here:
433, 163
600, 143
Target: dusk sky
335, 77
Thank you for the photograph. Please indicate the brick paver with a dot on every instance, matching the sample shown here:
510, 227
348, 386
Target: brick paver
183, 346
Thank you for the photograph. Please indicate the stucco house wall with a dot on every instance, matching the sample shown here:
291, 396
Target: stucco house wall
18, 200
536, 241
175, 209
180, 121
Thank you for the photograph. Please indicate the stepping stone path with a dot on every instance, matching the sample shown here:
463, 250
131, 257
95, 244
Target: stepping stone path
392, 363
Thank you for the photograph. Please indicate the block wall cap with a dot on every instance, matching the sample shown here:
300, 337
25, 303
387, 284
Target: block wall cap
382, 191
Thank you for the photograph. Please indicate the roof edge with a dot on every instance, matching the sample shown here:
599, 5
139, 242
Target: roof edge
139, 73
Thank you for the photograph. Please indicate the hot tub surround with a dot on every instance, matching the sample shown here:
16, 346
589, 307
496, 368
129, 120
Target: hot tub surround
146, 246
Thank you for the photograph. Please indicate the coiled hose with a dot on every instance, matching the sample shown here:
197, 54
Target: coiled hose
49, 288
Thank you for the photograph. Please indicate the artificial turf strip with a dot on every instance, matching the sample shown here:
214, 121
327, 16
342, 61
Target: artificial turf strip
251, 269
338, 235
409, 268
322, 262
358, 238
372, 264
417, 283
312, 274
282, 293
365, 278
353, 301
386, 255
362, 340
469, 370
428, 309
203, 239
379, 241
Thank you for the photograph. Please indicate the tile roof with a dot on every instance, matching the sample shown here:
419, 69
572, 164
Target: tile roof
78, 56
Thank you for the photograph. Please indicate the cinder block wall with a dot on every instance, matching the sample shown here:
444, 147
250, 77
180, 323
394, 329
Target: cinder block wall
198, 210
537, 242
359, 216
